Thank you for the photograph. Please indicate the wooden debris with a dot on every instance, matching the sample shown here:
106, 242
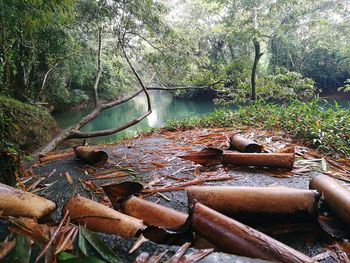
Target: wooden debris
152, 214
234, 237
335, 194
55, 156
212, 156
184, 185
15, 202
91, 155
100, 218
243, 144
257, 204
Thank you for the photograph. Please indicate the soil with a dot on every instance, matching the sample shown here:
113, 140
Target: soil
152, 157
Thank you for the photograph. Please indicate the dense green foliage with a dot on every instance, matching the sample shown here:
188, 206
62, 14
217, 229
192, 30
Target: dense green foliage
48, 49
317, 123
23, 126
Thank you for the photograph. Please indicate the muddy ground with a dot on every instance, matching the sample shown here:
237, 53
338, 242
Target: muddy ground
149, 159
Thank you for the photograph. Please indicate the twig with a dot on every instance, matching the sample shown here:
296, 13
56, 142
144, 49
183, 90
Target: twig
52, 238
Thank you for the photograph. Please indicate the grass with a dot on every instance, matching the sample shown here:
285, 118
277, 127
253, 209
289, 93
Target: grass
317, 123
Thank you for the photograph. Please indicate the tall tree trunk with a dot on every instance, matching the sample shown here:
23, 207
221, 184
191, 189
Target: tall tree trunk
256, 57
255, 65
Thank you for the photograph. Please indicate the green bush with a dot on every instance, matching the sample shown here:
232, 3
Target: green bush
24, 126
317, 123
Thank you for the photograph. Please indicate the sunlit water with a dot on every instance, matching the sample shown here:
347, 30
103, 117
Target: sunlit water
164, 108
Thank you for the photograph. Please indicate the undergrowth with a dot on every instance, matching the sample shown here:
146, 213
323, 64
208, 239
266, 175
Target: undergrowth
318, 124
23, 126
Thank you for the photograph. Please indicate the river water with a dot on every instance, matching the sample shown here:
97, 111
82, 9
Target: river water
164, 108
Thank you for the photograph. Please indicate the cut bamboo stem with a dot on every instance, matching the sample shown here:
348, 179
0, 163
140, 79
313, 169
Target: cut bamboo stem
234, 237
47, 158
272, 160
90, 155
212, 156
257, 205
15, 202
152, 214
243, 144
100, 218
335, 194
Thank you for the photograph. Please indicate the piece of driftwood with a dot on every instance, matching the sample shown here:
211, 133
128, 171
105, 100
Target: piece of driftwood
234, 237
256, 205
91, 155
100, 218
15, 202
243, 144
212, 156
152, 214
335, 194
58, 156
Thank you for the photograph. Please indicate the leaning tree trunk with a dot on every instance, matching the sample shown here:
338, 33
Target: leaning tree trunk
255, 65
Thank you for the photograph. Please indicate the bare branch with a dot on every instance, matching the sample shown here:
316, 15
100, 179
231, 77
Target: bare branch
79, 134
45, 79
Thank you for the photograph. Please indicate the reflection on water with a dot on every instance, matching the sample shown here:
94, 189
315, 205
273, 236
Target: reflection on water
164, 108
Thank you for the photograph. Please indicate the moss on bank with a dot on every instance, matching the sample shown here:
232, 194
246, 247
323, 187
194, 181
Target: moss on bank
24, 126
318, 124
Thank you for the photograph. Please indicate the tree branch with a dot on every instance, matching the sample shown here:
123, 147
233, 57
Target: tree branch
99, 70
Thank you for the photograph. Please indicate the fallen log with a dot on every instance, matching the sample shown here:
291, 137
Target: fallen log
243, 144
335, 194
90, 155
257, 205
100, 218
212, 156
234, 237
15, 202
58, 156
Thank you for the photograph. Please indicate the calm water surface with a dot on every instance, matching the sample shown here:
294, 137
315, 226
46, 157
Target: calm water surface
164, 108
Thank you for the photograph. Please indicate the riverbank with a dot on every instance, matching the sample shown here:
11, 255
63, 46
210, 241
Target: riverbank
152, 160
316, 124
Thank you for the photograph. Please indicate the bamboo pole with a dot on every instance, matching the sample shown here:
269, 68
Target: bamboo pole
100, 218
234, 237
335, 194
212, 156
257, 205
15, 202
243, 144
272, 160
121, 196
90, 155
51, 157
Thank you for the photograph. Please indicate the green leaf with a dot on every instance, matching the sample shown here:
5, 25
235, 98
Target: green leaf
106, 253
82, 242
23, 249
64, 256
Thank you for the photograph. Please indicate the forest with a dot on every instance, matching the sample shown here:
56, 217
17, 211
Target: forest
144, 109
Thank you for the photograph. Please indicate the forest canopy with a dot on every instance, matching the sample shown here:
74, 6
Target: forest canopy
49, 49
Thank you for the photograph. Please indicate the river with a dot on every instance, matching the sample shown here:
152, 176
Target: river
164, 108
